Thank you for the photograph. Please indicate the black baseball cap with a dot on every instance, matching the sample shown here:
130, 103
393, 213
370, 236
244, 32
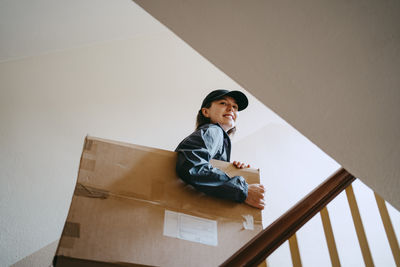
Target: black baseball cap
240, 98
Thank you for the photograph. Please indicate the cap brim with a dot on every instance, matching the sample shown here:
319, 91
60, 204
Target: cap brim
241, 99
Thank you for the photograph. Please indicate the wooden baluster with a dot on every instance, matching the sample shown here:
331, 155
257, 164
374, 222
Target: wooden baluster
394, 245
362, 239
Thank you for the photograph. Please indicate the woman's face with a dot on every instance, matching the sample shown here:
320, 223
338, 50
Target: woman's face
223, 111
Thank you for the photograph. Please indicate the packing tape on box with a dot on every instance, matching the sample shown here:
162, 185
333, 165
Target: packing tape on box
70, 233
67, 242
248, 222
92, 192
72, 229
88, 191
157, 193
89, 146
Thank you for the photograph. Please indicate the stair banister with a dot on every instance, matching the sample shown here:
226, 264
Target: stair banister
267, 241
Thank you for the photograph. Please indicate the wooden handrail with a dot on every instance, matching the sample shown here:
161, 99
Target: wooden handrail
268, 240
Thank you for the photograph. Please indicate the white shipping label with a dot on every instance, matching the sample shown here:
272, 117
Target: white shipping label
191, 228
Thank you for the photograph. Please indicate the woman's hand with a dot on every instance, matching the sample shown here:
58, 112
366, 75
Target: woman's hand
240, 165
255, 196
255, 192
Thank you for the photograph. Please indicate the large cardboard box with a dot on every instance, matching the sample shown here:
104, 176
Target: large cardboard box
130, 209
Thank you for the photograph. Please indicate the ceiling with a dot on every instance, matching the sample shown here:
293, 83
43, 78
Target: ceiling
29, 28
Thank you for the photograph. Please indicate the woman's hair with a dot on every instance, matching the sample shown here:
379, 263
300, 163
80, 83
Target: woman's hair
201, 119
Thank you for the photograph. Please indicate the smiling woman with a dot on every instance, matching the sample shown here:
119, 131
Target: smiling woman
216, 122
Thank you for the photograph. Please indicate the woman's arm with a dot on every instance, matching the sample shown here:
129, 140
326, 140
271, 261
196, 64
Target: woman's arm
193, 166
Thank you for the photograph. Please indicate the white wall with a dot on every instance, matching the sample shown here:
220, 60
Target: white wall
145, 90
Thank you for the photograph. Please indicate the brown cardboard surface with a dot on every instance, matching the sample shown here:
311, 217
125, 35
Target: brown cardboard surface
122, 193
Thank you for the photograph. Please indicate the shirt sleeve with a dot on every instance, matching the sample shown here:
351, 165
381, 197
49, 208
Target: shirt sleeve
193, 166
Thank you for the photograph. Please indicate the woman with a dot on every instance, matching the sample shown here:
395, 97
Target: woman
216, 120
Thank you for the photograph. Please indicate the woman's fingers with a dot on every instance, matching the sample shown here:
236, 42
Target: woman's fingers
241, 165
255, 196
262, 188
257, 204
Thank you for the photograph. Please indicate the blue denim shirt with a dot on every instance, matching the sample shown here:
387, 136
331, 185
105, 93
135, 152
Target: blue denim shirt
193, 166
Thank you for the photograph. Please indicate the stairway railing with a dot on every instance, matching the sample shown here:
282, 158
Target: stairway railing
267, 241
